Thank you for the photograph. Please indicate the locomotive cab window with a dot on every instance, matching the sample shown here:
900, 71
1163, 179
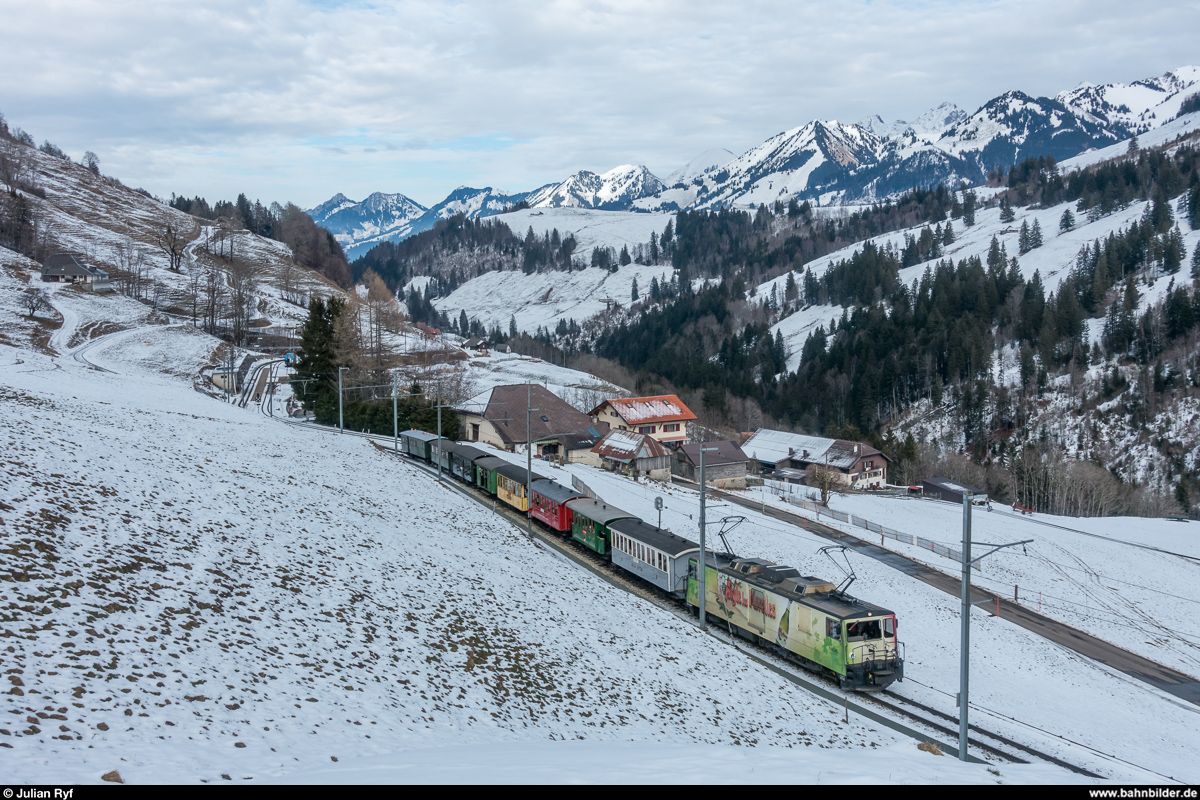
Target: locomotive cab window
863, 629
889, 627
833, 629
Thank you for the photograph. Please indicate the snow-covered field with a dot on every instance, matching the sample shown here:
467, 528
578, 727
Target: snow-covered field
193, 592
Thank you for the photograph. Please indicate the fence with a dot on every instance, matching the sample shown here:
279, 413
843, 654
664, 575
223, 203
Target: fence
793, 494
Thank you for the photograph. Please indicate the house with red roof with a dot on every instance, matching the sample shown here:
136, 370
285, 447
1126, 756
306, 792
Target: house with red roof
663, 417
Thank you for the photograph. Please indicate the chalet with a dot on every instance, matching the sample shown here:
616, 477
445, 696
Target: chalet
430, 332
68, 269
475, 345
853, 464
725, 466
498, 417
663, 417
634, 454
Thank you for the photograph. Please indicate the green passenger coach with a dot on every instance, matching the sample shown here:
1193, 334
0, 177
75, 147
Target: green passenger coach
590, 519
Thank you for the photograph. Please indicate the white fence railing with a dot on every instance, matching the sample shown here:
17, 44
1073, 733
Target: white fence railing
794, 494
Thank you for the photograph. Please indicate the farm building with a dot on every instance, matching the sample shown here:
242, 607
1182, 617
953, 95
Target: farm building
948, 490
663, 417
498, 417
852, 464
725, 467
634, 454
68, 269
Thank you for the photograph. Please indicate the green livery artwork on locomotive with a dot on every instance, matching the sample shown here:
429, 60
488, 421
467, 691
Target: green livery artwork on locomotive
808, 617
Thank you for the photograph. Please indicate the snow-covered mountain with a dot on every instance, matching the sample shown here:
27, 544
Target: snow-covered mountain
929, 125
1139, 106
615, 190
376, 217
825, 161
393, 217
1014, 126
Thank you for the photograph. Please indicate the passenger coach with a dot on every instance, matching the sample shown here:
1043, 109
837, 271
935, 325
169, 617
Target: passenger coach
590, 521
653, 554
550, 504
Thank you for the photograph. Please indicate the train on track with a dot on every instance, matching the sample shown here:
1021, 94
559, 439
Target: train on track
808, 619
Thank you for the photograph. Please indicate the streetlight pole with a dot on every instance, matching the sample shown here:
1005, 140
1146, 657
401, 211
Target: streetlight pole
340, 371
964, 664
703, 577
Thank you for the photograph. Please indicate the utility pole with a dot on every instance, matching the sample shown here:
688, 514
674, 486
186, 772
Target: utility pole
703, 576
340, 371
964, 664
395, 418
439, 433
529, 409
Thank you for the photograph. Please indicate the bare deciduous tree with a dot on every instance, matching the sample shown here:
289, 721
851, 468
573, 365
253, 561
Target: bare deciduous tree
34, 300
172, 237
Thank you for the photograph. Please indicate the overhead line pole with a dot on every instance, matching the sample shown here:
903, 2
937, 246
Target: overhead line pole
964, 664
703, 577
340, 371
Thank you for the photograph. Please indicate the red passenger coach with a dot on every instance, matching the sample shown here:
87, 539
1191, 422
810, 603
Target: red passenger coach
550, 504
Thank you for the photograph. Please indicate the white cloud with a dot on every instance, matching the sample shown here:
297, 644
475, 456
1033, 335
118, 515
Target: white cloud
284, 99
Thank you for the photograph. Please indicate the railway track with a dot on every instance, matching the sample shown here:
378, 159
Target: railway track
920, 721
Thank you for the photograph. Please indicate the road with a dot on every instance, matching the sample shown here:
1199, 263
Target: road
1162, 677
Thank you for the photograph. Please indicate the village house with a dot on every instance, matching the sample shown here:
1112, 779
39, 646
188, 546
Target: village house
851, 464
663, 417
498, 417
637, 455
68, 269
725, 467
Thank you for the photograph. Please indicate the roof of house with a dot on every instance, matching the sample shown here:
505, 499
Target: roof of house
952, 486
64, 265
647, 410
626, 446
505, 407
584, 440
726, 453
775, 446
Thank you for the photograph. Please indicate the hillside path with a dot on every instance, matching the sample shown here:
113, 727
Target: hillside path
1143, 669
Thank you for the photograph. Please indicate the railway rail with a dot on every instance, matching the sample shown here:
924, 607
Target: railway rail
920, 721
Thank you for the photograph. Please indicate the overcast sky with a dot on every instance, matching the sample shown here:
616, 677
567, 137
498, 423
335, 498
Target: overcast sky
289, 100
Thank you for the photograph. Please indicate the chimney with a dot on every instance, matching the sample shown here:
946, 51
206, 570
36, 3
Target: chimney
791, 451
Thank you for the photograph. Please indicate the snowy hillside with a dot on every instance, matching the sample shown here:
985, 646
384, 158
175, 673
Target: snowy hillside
1137, 107
1053, 261
544, 298
194, 592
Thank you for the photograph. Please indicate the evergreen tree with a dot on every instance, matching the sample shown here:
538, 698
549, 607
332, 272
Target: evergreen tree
1196, 263
1035, 235
464, 324
968, 211
1067, 221
625, 259
316, 368
790, 290
948, 234
1023, 245
1133, 146
512, 326
1007, 214
655, 291
1174, 251
634, 294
